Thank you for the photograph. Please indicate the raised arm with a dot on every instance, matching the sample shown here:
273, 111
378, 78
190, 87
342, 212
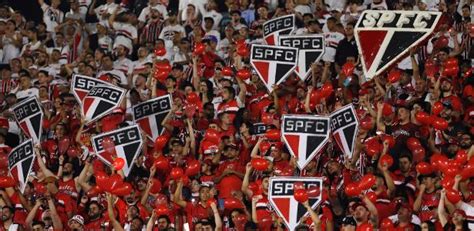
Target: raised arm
217, 217
57, 224
246, 181
32, 214
148, 186
380, 124
314, 217
177, 198
442, 216
110, 211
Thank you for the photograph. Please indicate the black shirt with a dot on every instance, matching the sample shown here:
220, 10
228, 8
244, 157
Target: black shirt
346, 48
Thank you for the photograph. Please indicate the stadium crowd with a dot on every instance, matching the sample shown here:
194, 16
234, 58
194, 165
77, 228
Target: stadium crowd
199, 175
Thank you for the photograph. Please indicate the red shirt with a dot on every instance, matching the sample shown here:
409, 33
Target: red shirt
195, 212
230, 182
429, 203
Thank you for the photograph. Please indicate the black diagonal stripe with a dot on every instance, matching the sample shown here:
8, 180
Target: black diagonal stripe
25, 167
282, 71
102, 107
349, 134
130, 151
36, 124
313, 143
159, 118
310, 57
301, 210
399, 42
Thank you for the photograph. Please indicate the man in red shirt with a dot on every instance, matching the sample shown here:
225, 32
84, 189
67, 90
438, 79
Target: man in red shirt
427, 199
230, 172
365, 214
96, 218
194, 210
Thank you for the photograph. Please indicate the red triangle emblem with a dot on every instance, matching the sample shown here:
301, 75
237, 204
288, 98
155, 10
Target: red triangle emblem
370, 43
263, 69
283, 205
294, 142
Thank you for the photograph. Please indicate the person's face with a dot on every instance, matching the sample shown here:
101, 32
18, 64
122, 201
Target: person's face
262, 12
176, 148
404, 164
231, 153
265, 184
458, 218
226, 94
121, 51
136, 225
403, 114
68, 168
349, 30
466, 12
333, 167
38, 227
428, 181
140, 81
25, 82
132, 211
465, 141
446, 86
204, 194
424, 227
420, 85
404, 214
6, 214
74, 225
361, 214
94, 211
59, 39
378, 183
208, 24
60, 131
442, 56
10, 26
107, 62
170, 83
235, 17
162, 224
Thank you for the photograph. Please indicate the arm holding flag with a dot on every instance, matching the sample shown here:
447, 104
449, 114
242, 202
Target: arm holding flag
57, 224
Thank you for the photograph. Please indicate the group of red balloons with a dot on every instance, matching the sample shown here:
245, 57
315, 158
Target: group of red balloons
162, 70
113, 184
302, 194
451, 67
318, 94
433, 120
355, 188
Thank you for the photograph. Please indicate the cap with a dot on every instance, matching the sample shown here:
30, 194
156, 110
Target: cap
231, 145
172, 12
210, 38
77, 218
354, 207
209, 18
349, 221
460, 212
406, 206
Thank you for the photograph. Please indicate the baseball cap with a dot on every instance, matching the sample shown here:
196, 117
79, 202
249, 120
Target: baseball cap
210, 38
461, 212
231, 145
177, 66
77, 218
354, 207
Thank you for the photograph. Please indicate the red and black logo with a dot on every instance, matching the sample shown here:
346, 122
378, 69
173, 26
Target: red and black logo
128, 144
345, 126
151, 113
273, 63
272, 29
29, 115
280, 195
20, 162
81, 85
101, 100
384, 37
311, 49
305, 136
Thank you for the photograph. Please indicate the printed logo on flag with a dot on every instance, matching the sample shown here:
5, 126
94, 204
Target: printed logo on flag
311, 49
280, 196
20, 162
128, 145
101, 100
272, 29
259, 129
345, 126
29, 115
151, 113
383, 37
273, 63
305, 136
81, 85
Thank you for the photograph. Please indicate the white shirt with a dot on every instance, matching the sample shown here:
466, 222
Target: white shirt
168, 32
469, 210
51, 17
125, 65
214, 15
23, 94
332, 40
105, 9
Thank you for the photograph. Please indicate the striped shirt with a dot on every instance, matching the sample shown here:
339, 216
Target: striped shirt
151, 31
6, 86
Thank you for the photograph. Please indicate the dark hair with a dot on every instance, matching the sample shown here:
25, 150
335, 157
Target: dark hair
38, 223
12, 210
466, 6
406, 155
351, 24
165, 217
231, 91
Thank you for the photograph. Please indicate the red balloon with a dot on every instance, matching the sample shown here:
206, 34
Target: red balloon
176, 173
162, 210
199, 49
240, 42
190, 110
211, 201
437, 108
118, 163
387, 109
439, 161
164, 66
386, 160
267, 118
367, 181
326, 90
100, 177
389, 139
3, 160
450, 171
212, 135
160, 51
227, 71
386, 223
441, 42
447, 182
116, 181
373, 146
193, 168
372, 197
160, 142
348, 68
73, 152
418, 153
300, 195
7, 181
394, 76
352, 189
160, 75
264, 146
231, 203
94, 191
155, 186
424, 168
366, 123
259, 164
63, 145
468, 171
298, 185
123, 190
440, 123
193, 98
273, 134
423, 118
453, 196
315, 97
109, 146
160, 199
413, 143
244, 74
243, 51
162, 164
461, 157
